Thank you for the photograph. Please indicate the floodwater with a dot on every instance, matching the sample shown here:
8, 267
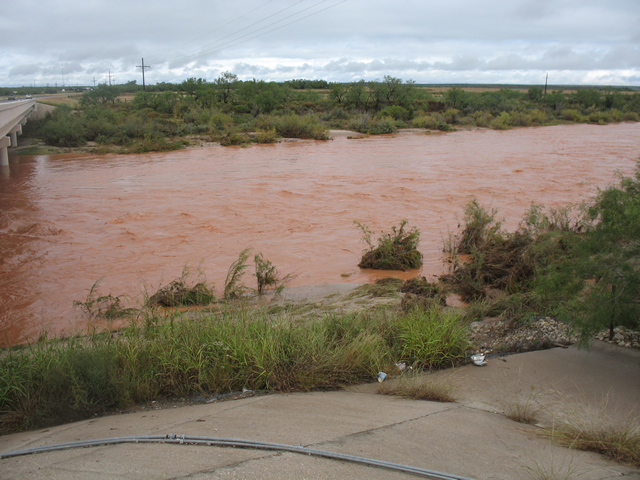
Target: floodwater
135, 221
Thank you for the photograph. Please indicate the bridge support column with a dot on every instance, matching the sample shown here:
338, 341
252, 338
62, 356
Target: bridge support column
13, 134
4, 154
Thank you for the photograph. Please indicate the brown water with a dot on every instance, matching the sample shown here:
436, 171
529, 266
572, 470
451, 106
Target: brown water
137, 220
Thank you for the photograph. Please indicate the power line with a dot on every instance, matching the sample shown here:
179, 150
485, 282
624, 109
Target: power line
241, 30
220, 48
225, 25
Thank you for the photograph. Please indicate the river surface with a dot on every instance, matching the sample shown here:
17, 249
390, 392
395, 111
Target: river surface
135, 221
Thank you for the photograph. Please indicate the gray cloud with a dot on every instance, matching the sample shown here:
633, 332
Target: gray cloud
458, 40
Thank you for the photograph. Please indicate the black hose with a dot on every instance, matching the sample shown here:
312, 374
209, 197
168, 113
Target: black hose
234, 442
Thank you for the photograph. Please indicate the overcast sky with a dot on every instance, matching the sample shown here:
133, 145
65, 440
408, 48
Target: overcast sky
446, 41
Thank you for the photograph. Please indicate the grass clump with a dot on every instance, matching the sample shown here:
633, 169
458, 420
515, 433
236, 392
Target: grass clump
56, 381
102, 306
591, 429
417, 388
432, 338
397, 250
232, 286
267, 275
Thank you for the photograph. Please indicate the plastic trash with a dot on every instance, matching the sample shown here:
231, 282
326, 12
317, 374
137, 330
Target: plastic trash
381, 376
479, 359
401, 366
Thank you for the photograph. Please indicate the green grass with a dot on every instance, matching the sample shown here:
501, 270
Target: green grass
56, 381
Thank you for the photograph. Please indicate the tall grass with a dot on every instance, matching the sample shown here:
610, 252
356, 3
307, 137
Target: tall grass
57, 381
591, 428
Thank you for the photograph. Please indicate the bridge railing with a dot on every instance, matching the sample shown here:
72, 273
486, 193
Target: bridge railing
12, 113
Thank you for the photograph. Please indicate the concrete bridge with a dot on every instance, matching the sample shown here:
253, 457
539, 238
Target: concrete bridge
12, 116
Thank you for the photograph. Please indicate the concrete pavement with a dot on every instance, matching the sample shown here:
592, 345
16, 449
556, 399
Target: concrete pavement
470, 438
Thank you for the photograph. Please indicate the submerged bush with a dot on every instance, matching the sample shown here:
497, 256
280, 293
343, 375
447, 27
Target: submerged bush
397, 250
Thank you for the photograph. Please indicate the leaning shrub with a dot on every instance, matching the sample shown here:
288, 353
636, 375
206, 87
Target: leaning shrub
397, 250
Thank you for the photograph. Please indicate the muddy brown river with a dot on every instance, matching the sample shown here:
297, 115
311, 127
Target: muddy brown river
135, 221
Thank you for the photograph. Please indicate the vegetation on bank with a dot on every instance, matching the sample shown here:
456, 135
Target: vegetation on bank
579, 265
235, 112
234, 348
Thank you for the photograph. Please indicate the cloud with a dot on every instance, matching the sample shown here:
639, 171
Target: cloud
24, 70
446, 41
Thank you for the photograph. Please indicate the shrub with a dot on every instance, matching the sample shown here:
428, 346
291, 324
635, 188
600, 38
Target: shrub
572, 115
396, 112
295, 126
451, 115
482, 119
63, 128
397, 250
425, 121
502, 122
382, 126
267, 136
360, 123
444, 126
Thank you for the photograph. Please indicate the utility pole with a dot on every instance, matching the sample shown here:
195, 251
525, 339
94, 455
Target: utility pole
109, 77
545, 84
143, 66
94, 82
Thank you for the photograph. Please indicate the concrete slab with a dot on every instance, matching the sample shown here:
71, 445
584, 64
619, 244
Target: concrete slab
470, 438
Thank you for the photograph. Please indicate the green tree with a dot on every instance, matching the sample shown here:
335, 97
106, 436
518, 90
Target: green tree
338, 91
225, 85
100, 95
456, 98
535, 94
597, 284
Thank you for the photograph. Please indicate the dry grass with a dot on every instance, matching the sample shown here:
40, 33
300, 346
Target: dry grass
547, 466
522, 404
594, 429
420, 388
70, 99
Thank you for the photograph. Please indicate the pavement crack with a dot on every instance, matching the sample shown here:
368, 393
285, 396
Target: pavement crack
385, 427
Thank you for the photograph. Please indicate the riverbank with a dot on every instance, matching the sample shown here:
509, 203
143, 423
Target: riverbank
471, 438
